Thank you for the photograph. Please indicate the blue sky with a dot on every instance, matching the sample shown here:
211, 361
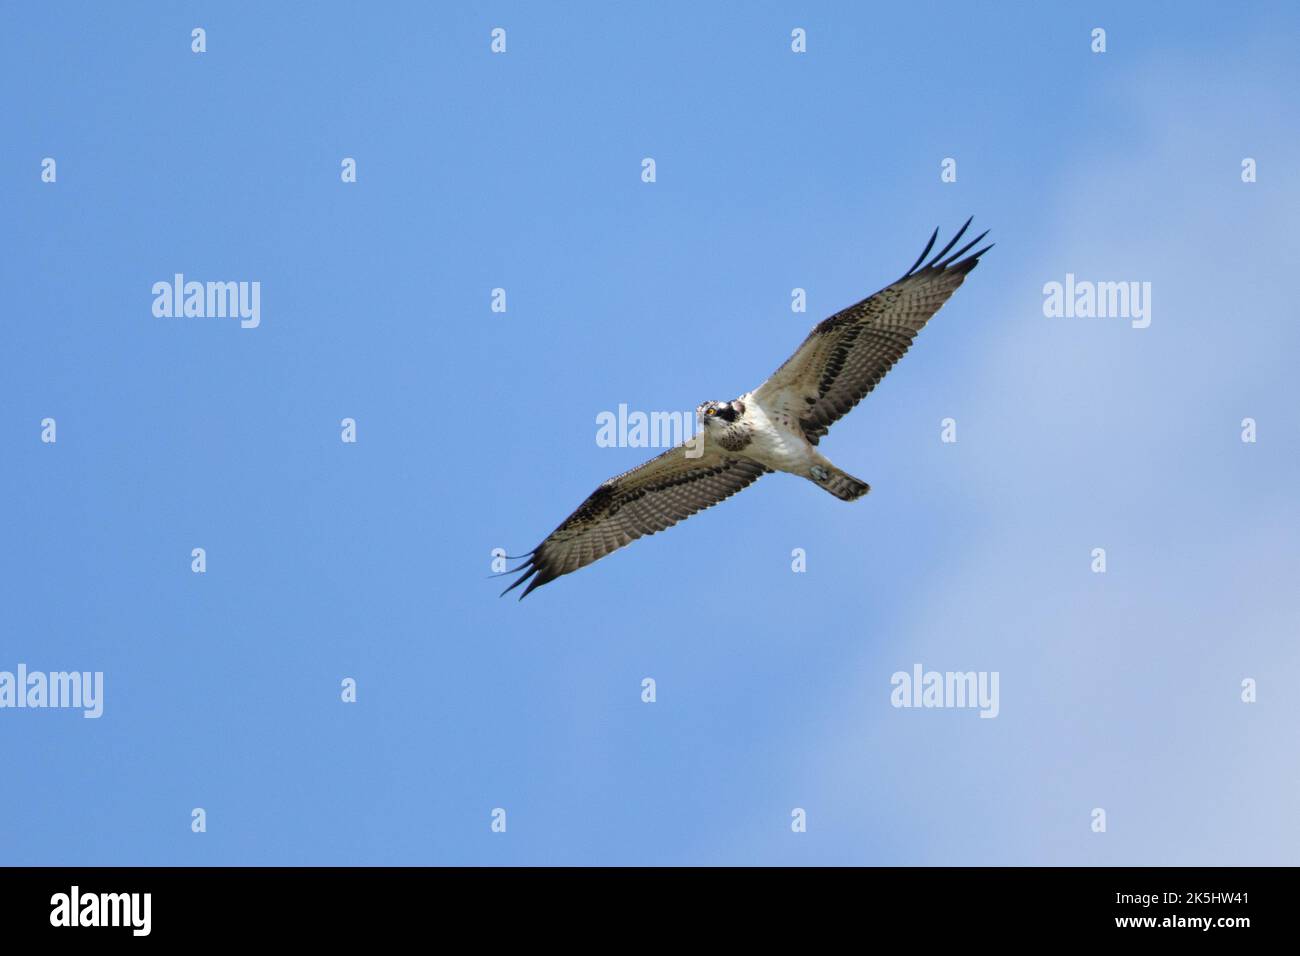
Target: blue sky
476, 430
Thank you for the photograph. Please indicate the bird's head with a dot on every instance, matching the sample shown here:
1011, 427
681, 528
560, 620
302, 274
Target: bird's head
719, 414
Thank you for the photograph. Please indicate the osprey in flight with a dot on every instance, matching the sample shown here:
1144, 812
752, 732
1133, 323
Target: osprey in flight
776, 427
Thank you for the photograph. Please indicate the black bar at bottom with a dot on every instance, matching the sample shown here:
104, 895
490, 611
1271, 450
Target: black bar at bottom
376, 904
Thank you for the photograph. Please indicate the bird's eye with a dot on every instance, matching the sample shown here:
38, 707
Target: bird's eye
710, 411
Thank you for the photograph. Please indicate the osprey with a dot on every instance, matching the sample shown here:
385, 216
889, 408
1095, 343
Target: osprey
776, 427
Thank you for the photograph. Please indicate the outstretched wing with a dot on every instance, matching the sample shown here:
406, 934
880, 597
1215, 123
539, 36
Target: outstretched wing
646, 499
845, 356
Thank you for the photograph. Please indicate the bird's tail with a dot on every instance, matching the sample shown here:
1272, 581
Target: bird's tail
838, 482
